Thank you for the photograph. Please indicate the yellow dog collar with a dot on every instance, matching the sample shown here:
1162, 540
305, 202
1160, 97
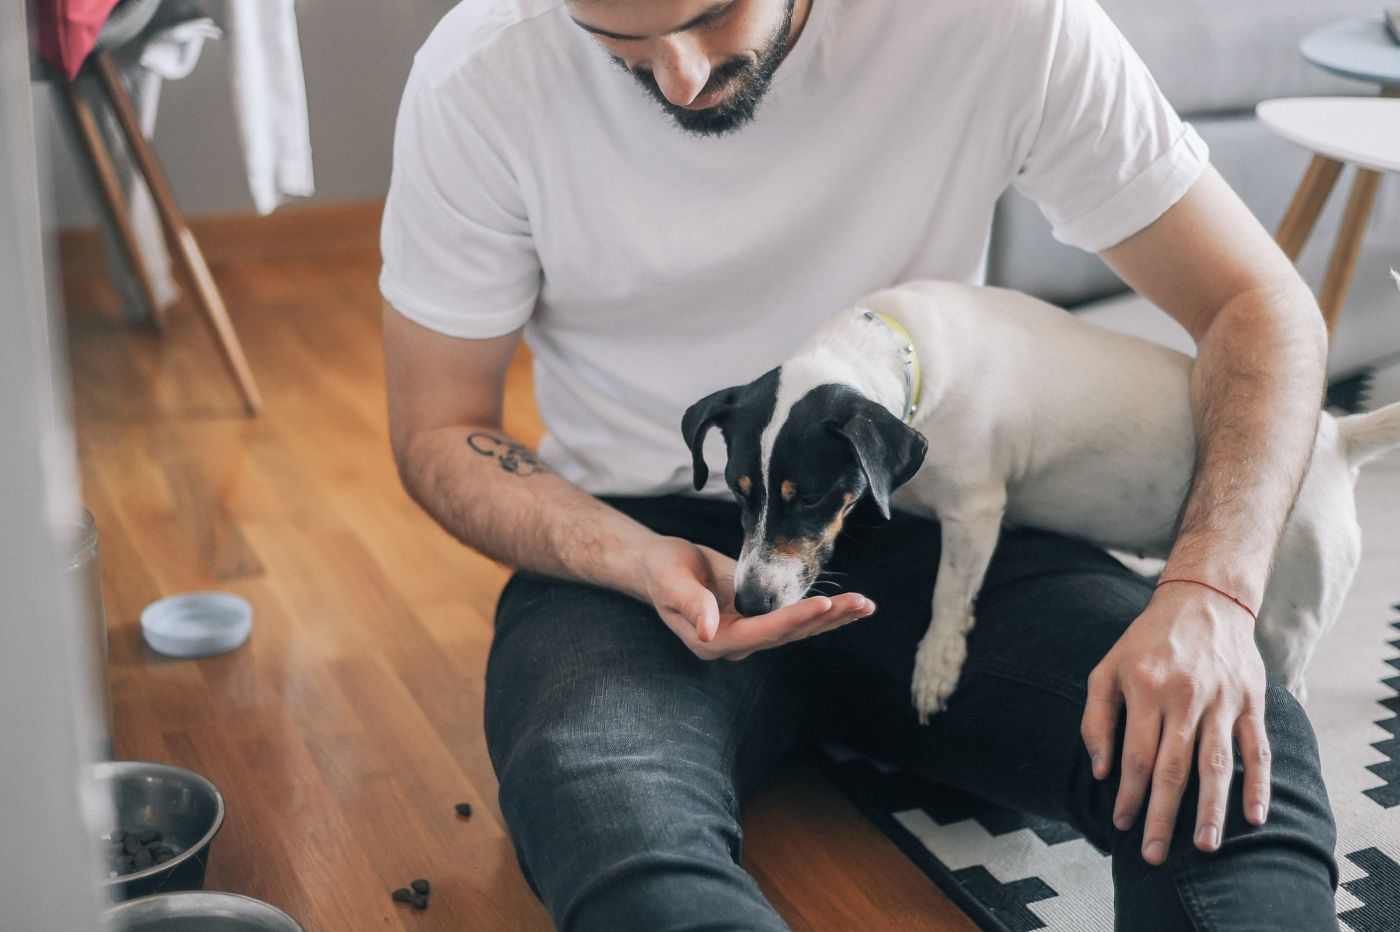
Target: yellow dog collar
912, 381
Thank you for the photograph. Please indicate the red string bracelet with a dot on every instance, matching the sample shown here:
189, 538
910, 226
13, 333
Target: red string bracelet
1236, 599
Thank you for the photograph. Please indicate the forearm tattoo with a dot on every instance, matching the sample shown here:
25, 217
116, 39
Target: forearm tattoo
513, 457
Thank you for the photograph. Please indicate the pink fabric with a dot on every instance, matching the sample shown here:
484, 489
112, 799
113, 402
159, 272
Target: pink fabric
66, 31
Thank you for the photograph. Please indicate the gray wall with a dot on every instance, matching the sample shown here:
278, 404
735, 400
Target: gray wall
356, 55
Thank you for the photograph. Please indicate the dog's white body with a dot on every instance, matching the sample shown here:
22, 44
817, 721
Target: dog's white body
1038, 419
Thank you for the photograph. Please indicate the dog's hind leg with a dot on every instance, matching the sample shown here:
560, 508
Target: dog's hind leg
1312, 573
969, 539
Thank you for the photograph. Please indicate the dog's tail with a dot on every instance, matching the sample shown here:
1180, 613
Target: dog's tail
1366, 436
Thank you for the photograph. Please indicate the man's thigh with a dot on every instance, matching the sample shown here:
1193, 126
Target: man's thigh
1049, 609
622, 757
599, 676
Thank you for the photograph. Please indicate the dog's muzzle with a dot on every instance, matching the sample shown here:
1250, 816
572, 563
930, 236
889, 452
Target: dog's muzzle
766, 580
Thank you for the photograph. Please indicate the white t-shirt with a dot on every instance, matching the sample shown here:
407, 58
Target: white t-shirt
536, 184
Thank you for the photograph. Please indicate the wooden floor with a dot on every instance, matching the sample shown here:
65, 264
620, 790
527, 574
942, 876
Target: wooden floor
347, 728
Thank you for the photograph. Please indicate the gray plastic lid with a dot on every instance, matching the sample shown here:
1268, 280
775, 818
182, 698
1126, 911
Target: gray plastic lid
197, 624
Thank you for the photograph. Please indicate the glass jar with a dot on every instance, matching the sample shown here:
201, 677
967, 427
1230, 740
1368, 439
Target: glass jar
86, 572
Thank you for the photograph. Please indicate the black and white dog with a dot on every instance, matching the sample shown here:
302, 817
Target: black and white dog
1040, 420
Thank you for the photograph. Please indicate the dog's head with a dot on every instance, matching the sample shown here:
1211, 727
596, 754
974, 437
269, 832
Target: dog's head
797, 473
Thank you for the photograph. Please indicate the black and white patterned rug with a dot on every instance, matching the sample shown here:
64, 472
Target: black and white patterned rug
1012, 873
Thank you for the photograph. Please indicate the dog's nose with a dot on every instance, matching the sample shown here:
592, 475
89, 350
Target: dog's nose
751, 600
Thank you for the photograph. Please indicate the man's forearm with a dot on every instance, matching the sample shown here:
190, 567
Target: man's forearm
495, 495
1256, 391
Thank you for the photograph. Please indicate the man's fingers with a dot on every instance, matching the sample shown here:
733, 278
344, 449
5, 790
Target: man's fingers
816, 611
1100, 722
841, 613
1139, 757
702, 611
1216, 763
1170, 774
829, 622
791, 623
1257, 758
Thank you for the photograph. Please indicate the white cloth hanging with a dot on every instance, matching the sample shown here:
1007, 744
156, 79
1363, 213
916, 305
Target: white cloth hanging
169, 55
269, 101
269, 97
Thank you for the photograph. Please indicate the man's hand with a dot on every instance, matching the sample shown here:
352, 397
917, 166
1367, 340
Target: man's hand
1189, 673
692, 588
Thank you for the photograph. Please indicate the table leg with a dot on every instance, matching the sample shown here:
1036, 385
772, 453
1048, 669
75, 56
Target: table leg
1307, 205
1334, 287
185, 247
109, 190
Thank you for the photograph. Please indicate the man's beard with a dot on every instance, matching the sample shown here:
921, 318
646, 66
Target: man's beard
747, 82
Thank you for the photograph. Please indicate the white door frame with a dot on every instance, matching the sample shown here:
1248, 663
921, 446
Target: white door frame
46, 728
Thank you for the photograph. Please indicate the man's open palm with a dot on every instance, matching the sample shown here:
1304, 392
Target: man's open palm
692, 588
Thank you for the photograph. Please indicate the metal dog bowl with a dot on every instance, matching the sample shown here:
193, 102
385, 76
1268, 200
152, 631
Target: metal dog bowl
198, 912
184, 807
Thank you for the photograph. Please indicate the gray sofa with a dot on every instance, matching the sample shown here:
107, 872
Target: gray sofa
1215, 60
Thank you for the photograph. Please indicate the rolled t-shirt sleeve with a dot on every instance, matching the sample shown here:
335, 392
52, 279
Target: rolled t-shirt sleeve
459, 257
1109, 154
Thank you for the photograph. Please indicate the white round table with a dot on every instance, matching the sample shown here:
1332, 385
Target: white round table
1358, 48
1362, 131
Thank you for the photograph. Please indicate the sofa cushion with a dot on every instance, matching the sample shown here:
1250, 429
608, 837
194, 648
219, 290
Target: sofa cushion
1219, 56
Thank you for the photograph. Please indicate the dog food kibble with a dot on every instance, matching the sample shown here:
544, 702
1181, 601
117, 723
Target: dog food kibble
464, 810
135, 850
418, 895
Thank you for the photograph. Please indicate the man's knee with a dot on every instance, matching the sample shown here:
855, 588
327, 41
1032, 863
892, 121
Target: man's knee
613, 822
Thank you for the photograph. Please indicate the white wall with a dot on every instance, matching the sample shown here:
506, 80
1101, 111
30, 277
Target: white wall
356, 55
46, 727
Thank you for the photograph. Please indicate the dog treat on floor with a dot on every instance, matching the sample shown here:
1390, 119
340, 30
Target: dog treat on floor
417, 896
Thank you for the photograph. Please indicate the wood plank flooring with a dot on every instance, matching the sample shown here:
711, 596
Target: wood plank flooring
347, 728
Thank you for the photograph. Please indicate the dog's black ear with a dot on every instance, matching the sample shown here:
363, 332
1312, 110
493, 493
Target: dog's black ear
699, 418
889, 450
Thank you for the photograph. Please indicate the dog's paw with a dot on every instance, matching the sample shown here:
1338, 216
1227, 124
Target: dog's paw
937, 666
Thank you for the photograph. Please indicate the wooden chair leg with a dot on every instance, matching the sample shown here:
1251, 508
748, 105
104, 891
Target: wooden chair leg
110, 200
1307, 205
183, 243
1358, 212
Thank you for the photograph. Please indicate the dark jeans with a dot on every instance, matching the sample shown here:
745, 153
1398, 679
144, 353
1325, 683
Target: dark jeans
623, 758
